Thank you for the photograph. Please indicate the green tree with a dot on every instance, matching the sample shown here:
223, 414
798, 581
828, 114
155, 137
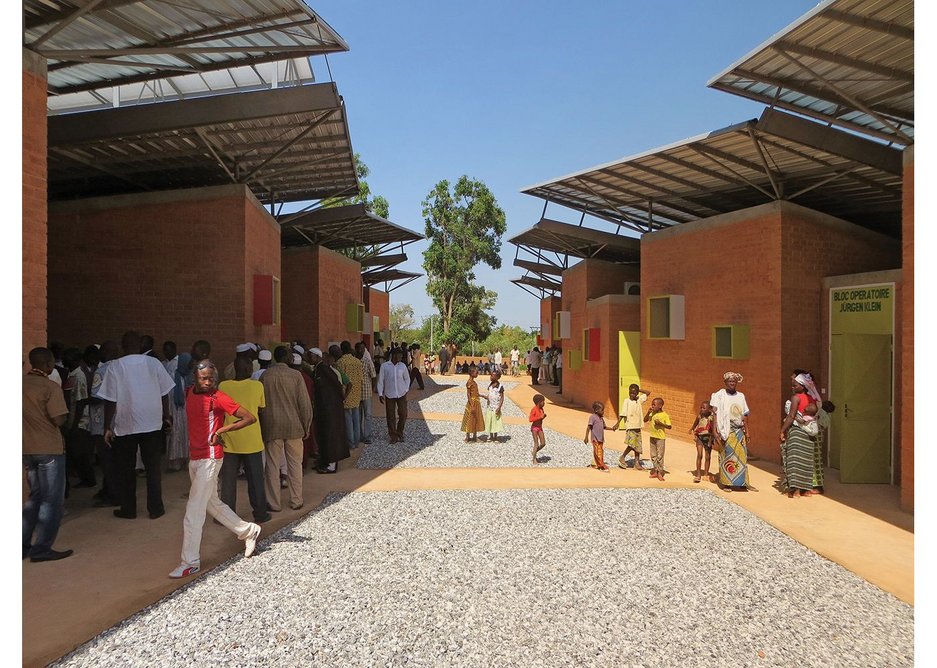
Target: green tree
464, 225
401, 320
376, 204
506, 337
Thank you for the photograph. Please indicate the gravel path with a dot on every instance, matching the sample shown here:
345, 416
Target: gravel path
440, 444
459, 380
519, 578
452, 400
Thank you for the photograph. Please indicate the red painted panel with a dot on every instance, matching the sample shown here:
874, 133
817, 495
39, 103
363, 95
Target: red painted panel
595, 343
263, 299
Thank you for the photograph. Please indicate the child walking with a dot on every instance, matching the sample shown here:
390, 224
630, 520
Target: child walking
493, 422
596, 429
472, 420
659, 421
702, 430
536, 426
631, 412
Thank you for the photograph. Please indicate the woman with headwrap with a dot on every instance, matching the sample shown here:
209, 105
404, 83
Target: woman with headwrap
731, 433
797, 446
177, 450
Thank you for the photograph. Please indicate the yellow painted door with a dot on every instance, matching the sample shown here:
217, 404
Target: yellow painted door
629, 362
860, 386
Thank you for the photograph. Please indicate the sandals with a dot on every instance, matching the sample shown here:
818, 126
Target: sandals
696, 478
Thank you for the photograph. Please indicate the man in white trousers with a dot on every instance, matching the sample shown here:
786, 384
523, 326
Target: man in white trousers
205, 408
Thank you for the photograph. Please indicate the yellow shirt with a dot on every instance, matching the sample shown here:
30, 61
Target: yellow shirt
663, 418
250, 395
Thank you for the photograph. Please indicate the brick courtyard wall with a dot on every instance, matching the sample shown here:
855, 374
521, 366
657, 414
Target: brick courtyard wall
591, 280
609, 314
35, 195
906, 441
170, 264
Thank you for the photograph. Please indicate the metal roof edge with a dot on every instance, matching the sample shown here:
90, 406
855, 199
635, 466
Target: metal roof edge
643, 154
822, 6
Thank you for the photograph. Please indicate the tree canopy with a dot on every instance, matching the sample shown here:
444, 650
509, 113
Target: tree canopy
464, 225
376, 204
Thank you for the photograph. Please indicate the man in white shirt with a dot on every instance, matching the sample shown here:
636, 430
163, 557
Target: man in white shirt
392, 385
515, 361
498, 359
136, 391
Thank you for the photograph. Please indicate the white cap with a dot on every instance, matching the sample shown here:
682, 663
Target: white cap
242, 347
297, 359
253, 346
315, 351
298, 348
265, 355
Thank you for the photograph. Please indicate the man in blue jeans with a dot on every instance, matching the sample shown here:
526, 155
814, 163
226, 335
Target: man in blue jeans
44, 411
353, 369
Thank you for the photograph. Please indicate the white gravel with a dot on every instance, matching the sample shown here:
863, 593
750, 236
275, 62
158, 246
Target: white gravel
440, 444
600, 577
459, 380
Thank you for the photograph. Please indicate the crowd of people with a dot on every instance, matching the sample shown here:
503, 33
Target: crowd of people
271, 412
265, 417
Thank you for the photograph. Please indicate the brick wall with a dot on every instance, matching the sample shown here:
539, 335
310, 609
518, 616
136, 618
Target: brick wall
299, 295
261, 256
318, 284
906, 442
174, 265
548, 308
379, 305
775, 258
34, 201
591, 280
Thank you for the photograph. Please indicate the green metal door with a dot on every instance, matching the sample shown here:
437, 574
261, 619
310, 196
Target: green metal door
860, 435
629, 362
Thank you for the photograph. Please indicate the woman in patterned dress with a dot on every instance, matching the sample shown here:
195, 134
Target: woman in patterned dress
472, 420
731, 433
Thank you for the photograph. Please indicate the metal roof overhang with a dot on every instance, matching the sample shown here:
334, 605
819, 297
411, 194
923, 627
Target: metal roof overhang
777, 157
846, 62
391, 278
581, 242
90, 44
286, 144
344, 227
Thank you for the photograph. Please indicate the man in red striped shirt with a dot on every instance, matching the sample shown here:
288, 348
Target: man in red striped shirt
205, 408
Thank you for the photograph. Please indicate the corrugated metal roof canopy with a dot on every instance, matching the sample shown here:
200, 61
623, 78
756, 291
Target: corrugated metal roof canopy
388, 277
581, 242
95, 43
847, 62
291, 142
343, 227
290, 72
779, 156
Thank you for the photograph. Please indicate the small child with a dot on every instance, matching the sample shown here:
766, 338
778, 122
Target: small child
808, 420
659, 422
493, 422
823, 421
596, 429
536, 426
631, 413
702, 430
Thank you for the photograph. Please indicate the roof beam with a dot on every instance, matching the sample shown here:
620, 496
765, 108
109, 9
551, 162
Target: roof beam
884, 27
716, 155
690, 214
846, 61
384, 260
844, 95
539, 268
822, 138
106, 124
58, 17
64, 23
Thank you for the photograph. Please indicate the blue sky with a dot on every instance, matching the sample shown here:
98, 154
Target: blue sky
513, 93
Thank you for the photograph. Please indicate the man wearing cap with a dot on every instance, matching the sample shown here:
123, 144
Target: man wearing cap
242, 350
264, 358
392, 386
285, 422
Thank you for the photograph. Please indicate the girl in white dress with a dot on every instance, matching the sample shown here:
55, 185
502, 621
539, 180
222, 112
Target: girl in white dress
493, 422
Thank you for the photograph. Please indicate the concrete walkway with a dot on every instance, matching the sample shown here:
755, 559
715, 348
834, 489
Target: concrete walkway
121, 566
